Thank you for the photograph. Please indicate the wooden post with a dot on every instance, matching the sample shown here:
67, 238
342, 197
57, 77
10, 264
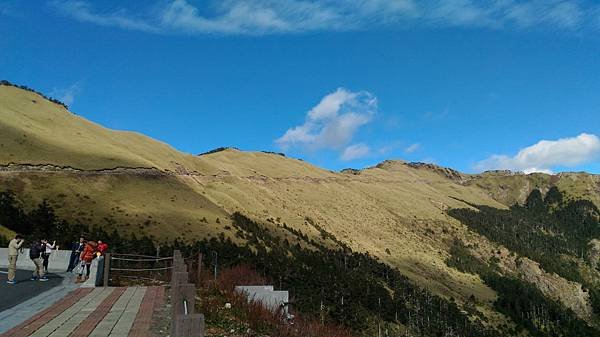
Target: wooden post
106, 270
199, 272
190, 268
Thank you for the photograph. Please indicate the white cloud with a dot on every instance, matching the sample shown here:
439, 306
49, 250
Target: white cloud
563, 14
82, 11
249, 17
412, 148
255, 17
67, 95
547, 154
333, 122
355, 151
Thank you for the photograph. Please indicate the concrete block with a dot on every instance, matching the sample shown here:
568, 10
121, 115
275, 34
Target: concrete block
179, 278
251, 289
188, 326
273, 300
91, 282
180, 293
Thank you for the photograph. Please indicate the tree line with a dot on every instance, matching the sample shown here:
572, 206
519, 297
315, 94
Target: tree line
24, 87
42, 222
550, 229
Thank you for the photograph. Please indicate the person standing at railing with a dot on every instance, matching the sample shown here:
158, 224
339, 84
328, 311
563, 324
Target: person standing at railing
87, 255
102, 247
76, 249
13, 254
101, 251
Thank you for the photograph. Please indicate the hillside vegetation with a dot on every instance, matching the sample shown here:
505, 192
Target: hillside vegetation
401, 214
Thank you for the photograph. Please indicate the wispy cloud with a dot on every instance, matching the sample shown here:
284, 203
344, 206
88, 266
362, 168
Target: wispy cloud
254, 17
355, 151
412, 148
332, 123
67, 95
547, 154
84, 12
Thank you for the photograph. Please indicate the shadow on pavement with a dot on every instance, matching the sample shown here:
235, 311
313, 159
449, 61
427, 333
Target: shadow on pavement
11, 295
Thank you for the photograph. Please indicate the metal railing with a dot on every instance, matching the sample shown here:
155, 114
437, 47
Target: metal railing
119, 269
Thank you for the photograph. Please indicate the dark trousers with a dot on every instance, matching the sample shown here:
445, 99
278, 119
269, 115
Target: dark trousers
45, 258
73, 261
87, 269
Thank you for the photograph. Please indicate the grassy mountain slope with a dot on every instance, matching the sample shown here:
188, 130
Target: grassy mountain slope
510, 188
395, 211
36, 131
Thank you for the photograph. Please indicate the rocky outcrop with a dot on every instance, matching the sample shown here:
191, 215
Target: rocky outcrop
570, 294
443, 171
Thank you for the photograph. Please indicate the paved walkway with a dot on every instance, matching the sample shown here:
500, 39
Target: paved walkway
96, 312
13, 294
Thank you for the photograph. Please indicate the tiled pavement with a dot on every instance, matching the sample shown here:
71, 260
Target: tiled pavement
98, 312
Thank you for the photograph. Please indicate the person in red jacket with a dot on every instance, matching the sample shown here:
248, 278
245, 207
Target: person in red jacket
102, 247
87, 255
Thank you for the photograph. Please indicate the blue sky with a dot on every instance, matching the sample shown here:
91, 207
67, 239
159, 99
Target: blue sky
473, 85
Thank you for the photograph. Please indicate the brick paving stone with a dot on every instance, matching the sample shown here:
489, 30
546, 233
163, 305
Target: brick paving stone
80, 316
99, 312
34, 323
48, 328
143, 320
88, 325
125, 322
106, 326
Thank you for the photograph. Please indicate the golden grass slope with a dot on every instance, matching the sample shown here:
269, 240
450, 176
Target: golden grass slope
395, 211
36, 131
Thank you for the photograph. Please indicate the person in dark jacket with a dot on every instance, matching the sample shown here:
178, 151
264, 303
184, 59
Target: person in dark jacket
76, 249
35, 254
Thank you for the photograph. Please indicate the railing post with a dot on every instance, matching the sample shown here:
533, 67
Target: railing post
183, 298
106, 270
199, 272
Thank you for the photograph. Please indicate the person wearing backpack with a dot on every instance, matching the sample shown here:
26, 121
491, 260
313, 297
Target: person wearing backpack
35, 254
87, 255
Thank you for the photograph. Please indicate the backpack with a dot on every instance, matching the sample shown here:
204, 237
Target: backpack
35, 251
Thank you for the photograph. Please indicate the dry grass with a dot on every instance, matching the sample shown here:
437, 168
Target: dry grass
252, 318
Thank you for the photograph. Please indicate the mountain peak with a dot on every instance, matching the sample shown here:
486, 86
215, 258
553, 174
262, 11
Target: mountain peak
220, 149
